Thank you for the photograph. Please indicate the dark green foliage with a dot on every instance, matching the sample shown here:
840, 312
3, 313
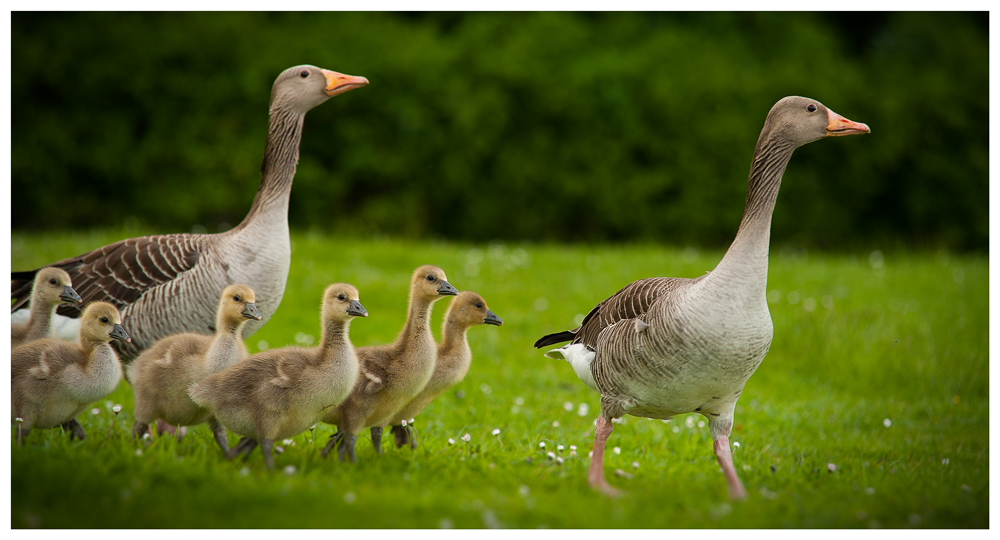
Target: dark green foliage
545, 126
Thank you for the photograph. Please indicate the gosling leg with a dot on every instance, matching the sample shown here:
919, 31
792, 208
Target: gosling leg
220, 434
377, 439
139, 429
75, 429
334, 439
347, 447
265, 448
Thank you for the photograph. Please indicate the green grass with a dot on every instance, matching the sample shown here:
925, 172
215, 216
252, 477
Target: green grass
856, 341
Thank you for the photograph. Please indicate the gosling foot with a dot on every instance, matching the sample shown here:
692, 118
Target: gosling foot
75, 429
244, 446
405, 435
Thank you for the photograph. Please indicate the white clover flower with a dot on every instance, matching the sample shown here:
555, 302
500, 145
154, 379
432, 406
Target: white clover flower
617, 450
95, 410
117, 409
451, 441
519, 400
403, 423
676, 429
572, 453
496, 432
412, 421
886, 422
736, 444
559, 460
541, 444
555, 423
560, 448
689, 421
701, 423
550, 455
19, 419
466, 437
312, 427
145, 436
568, 406
831, 467
290, 470
279, 450
288, 442
583, 410
138, 452
572, 447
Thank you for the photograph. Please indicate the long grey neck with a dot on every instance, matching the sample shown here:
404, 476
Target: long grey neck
281, 155
745, 264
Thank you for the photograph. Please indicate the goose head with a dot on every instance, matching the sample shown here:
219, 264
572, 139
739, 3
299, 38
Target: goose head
53, 287
797, 120
430, 283
102, 322
341, 302
303, 87
469, 309
238, 303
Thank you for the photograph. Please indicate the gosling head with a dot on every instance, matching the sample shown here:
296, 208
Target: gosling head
53, 287
102, 322
238, 304
798, 120
303, 87
469, 309
341, 302
430, 283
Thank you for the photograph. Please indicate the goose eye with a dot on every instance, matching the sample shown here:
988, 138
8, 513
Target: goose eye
811, 108
304, 73
479, 305
431, 277
236, 298
104, 320
52, 281
341, 297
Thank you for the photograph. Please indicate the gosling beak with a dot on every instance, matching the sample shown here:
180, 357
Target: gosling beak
491, 318
447, 289
338, 83
70, 296
357, 309
841, 126
119, 333
251, 312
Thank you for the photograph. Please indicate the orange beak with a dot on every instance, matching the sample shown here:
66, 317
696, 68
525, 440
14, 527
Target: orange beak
841, 126
338, 83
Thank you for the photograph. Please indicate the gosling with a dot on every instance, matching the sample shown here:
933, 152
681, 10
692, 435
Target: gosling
454, 356
281, 392
52, 287
162, 374
53, 380
390, 375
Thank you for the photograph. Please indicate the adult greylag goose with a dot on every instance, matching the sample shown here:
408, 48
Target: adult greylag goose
53, 380
390, 375
667, 346
52, 286
167, 284
163, 373
454, 356
279, 393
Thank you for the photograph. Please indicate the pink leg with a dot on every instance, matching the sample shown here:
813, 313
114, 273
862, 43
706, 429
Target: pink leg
725, 458
595, 475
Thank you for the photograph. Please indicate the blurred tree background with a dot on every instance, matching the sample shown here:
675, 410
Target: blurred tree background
477, 126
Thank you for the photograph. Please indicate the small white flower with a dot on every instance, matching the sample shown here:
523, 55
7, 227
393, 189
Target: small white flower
572, 453
524, 490
451, 441
870, 490
288, 442
583, 410
551, 455
312, 427
590, 454
560, 448
403, 423
412, 421
966, 488
95, 410
617, 450
568, 406
496, 432
541, 444
635, 464
519, 400
19, 419
689, 421
279, 450
559, 460
887, 422
138, 452
676, 429
701, 423
831, 467
945, 461
145, 436
245, 471
617, 420
555, 423
290, 469
736, 444
117, 409
466, 437
572, 447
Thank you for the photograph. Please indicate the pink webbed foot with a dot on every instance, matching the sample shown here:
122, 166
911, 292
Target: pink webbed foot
595, 474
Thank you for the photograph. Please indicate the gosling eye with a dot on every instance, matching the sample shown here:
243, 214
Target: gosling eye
304, 73
811, 107
341, 297
479, 305
104, 320
52, 281
431, 278
236, 297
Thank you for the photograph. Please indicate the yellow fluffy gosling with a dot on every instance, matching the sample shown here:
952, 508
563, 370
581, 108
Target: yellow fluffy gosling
52, 287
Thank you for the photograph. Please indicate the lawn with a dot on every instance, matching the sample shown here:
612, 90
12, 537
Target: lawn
871, 409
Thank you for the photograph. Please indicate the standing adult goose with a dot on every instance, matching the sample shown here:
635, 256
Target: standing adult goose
52, 287
168, 284
667, 346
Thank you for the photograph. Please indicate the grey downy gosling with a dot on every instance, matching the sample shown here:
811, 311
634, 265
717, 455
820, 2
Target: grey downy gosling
454, 356
163, 373
52, 287
280, 393
390, 375
661, 347
53, 380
